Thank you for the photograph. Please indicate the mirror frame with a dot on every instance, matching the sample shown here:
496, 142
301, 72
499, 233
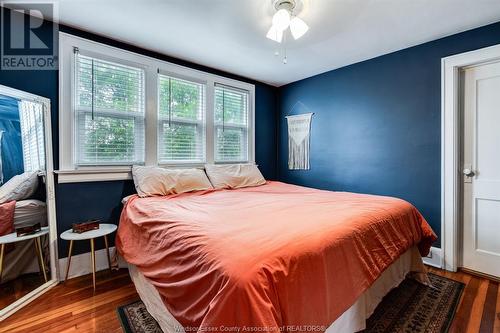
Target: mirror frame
50, 202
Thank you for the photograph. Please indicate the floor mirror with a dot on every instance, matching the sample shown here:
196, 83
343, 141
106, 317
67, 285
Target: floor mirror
28, 234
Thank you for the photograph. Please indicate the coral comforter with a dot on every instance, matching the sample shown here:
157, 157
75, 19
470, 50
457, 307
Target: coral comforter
267, 258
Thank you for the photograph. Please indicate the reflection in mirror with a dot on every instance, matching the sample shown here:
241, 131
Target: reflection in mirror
24, 250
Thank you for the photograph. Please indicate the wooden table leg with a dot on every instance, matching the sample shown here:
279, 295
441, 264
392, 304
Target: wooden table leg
92, 254
2, 251
107, 251
38, 244
69, 259
35, 245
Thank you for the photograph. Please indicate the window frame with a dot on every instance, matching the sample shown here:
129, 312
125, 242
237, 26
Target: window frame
69, 172
82, 111
203, 122
246, 128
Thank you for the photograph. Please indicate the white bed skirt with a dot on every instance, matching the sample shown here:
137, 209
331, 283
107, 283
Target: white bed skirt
23, 259
353, 320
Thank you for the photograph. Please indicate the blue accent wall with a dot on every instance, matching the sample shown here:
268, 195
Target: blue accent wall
377, 123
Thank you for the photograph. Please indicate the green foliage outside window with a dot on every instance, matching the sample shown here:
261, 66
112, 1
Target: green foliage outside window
116, 88
117, 99
231, 111
182, 114
111, 139
185, 101
103, 87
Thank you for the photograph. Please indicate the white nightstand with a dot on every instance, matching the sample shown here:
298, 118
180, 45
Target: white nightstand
12, 238
103, 231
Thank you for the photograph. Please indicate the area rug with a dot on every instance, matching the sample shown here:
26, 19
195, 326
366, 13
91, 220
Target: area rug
411, 307
136, 319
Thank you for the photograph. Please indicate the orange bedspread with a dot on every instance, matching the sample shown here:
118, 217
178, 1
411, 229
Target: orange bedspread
266, 258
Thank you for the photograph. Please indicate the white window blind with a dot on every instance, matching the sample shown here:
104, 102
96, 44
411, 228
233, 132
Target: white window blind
109, 112
231, 124
32, 135
181, 113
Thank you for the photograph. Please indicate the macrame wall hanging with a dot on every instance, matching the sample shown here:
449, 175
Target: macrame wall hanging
299, 134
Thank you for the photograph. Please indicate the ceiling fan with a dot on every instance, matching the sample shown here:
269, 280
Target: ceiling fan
283, 19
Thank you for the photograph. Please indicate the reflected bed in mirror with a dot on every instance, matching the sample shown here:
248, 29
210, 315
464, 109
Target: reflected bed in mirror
27, 225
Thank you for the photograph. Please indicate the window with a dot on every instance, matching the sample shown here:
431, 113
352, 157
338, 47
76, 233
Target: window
231, 124
181, 123
120, 108
109, 112
32, 135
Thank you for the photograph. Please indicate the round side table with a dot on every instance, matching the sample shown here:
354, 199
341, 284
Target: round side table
13, 238
103, 231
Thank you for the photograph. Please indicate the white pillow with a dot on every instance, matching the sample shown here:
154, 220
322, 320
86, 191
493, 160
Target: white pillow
234, 175
19, 187
155, 181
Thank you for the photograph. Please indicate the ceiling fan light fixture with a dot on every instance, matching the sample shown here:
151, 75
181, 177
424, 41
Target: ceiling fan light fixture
281, 19
275, 34
298, 27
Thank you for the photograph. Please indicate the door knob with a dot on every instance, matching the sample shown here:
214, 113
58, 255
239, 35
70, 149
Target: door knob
468, 172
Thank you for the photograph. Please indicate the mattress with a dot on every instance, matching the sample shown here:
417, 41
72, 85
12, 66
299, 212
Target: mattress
22, 259
29, 212
352, 320
266, 249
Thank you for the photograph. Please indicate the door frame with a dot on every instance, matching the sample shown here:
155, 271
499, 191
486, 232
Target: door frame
451, 144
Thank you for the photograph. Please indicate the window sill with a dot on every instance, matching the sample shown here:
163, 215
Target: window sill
93, 175
102, 174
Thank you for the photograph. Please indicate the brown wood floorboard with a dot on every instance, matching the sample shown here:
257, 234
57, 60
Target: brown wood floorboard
74, 307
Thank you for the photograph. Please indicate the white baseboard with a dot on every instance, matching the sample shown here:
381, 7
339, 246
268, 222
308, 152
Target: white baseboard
435, 258
81, 263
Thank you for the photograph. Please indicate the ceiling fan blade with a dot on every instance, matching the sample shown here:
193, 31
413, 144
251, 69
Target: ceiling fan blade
275, 34
298, 27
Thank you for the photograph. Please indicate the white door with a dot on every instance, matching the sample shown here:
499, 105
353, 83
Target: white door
481, 169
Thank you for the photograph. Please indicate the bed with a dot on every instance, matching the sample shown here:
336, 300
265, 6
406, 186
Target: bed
276, 257
22, 259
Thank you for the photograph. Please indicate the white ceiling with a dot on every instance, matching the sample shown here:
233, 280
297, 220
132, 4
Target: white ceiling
230, 34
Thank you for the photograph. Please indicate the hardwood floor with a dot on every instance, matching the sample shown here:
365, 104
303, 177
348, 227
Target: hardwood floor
479, 308
13, 290
73, 307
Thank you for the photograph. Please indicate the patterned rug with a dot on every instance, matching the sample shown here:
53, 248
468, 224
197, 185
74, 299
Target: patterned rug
136, 319
411, 307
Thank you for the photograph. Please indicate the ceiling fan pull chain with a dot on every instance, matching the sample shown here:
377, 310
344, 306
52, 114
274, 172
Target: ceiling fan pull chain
285, 59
